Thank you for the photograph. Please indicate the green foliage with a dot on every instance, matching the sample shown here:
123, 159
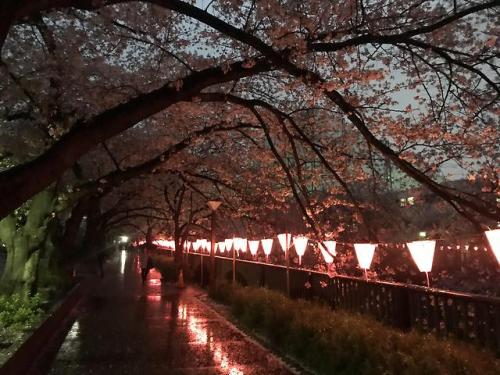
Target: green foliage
18, 315
19, 312
338, 342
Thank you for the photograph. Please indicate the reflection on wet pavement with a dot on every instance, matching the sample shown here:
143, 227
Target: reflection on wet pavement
128, 328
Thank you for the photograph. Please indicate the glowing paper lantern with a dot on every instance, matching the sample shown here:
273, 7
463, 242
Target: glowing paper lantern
203, 244
229, 243
267, 246
364, 253
243, 245
284, 239
300, 244
222, 247
236, 244
493, 237
331, 246
326, 255
253, 246
422, 253
196, 245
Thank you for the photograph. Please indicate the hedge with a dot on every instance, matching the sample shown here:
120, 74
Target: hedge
340, 342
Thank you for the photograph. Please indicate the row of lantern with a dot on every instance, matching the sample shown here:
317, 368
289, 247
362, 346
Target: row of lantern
422, 252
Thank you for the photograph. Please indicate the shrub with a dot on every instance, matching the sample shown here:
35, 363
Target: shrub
18, 314
223, 293
339, 342
20, 311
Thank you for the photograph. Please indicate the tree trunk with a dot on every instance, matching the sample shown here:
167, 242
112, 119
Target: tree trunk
14, 273
91, 232
73, 224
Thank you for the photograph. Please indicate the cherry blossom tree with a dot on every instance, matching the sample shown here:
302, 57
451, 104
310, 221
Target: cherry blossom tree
326, 95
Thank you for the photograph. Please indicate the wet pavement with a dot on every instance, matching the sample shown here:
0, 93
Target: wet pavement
129, 328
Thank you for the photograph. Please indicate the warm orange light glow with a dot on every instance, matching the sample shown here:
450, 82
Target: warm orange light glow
168, 244
493, 237
364, 253
284, 239
422, 253
300, 244
253, 246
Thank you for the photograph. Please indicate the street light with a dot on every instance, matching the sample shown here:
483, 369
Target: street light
213, 205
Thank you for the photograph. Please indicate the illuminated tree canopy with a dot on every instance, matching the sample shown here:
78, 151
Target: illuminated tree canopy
323, 109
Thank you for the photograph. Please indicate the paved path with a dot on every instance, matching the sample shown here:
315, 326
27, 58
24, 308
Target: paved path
128, 328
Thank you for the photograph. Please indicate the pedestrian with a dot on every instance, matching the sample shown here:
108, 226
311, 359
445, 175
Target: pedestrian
100, 260
146, 263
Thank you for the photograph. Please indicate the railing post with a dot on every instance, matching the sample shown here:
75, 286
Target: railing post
262, 275
403, 308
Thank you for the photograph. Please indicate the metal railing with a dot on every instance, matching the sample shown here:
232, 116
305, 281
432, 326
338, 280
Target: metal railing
468, 317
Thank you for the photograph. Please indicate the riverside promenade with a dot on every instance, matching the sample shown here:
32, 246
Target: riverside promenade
125, 327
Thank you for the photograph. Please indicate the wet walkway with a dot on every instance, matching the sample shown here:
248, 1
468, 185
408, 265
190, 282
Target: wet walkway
128, 328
